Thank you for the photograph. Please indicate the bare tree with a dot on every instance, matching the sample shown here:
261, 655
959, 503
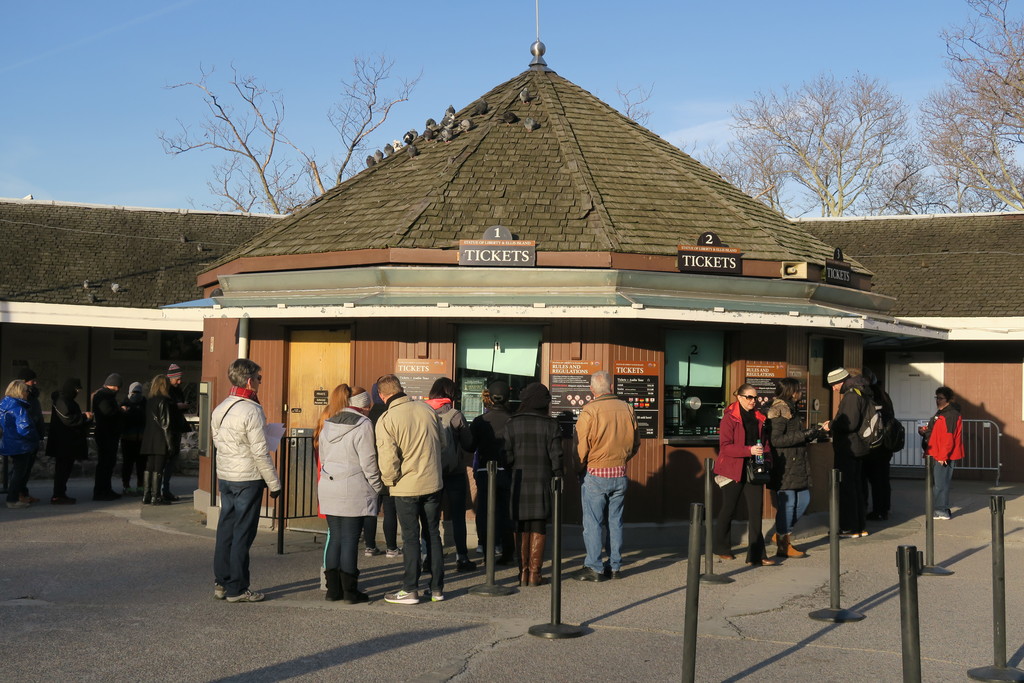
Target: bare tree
827, 143
260, 168
365, 107
633, 101
974, 127
752, 166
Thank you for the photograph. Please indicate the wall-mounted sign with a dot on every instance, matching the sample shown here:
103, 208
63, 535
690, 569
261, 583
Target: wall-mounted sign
636, 383
837, 273
569, 382
498, 253
709, 255
761, 374
320, 397
417, 375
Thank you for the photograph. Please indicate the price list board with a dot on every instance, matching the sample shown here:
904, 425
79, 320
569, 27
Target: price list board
636, 383
570, 390
417, 375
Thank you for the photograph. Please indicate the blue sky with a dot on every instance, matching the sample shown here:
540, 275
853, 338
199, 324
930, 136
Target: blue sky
84, 87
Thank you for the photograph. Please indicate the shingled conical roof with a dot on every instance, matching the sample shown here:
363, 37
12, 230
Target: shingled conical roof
586, 179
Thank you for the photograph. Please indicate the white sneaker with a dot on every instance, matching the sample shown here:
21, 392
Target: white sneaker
397, 552
247, 596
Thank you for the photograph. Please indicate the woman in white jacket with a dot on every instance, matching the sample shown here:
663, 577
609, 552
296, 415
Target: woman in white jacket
348, 488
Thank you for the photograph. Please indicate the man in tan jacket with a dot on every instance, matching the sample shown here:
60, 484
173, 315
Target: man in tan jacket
409, 454
607, 437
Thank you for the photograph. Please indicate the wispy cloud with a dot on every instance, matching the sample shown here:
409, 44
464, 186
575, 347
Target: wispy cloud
96, 36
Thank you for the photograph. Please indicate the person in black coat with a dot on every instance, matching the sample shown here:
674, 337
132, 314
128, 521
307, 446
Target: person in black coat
533, 448
791, 469
849, 448
877, 461
157, 439
488, 439
107, 412
133, 424
67, 439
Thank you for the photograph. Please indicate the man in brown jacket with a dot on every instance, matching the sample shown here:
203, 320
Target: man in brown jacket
607, 437
409, 454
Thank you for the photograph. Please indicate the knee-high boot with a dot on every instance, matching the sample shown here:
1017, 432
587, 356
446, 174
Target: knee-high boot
158, 496
537, 542
523, 543
147, 493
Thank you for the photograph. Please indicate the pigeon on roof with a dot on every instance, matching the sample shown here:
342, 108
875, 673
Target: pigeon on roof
446, 135
448, 120
530, 124
450, 110
480, 108
388, 150
465, 124
431, 123
412, 150
509, 117
378, 156
524, 96
429, 134
409, 137
370, 161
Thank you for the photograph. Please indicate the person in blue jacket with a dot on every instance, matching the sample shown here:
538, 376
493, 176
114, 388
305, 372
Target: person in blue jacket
20, 439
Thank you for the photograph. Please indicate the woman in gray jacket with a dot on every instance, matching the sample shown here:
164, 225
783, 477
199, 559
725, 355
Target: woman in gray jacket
348, 488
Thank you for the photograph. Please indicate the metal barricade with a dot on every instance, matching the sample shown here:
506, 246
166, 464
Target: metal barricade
981, 447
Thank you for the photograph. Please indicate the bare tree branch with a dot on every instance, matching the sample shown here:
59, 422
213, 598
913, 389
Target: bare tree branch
633, 101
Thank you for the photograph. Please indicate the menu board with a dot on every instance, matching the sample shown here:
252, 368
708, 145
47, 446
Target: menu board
418, 375
636, 383
570, 390
762, 375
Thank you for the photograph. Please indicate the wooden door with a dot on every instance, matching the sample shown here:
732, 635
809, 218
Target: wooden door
318, 361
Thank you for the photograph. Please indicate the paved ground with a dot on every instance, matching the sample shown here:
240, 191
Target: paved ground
122, 592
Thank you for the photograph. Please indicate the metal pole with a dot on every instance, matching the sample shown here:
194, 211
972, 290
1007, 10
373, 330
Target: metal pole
285, 450
998, 671
907, 563
834, 613
489, 588
692, 594
930, 568
556, 629
709, 575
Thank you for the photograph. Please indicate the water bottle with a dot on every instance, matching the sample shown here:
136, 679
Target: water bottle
759, 459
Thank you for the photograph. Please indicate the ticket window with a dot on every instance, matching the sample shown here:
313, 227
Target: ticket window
826, 354
694, 384
495, 352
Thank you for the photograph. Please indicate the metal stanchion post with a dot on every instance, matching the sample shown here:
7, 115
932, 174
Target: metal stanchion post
998, 671
692, 594
281, 500
489, 588
556, 629
908, 565
930, 568
709, 575
834, 612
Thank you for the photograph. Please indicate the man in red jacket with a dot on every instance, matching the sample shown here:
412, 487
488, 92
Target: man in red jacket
943, 442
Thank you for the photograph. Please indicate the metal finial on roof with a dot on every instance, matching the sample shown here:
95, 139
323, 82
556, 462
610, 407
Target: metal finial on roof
538, 50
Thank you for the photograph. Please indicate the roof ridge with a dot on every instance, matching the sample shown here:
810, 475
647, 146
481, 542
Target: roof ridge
569, 144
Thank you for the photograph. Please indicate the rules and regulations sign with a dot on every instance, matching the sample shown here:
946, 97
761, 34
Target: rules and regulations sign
570, 389
636, 383
761, 374
419, 374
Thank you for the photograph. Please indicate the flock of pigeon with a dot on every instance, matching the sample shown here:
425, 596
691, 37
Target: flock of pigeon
448, 129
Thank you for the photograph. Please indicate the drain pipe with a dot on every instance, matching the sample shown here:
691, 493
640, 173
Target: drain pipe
243, 336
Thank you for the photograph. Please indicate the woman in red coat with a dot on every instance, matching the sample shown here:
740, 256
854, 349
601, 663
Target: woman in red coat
741, 435
943, 442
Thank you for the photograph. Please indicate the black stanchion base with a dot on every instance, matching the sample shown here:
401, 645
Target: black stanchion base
935, 570
996, 673
716, 578
837, 615
555, 631
491, 590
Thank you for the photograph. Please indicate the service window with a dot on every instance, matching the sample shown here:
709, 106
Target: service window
694, 383
491, 352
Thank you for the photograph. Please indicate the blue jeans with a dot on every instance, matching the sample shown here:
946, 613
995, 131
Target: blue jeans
790, 506
409, 510
342, 543
941, 476
236, 530
600, 496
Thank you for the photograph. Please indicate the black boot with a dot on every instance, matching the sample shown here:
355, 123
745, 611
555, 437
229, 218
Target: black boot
147, 493
158, 498
352, 595
333, 578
